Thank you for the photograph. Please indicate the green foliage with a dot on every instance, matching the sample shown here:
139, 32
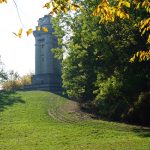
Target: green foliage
108, 88
73, 75
77, 72
96, 69
109, 97
3, 74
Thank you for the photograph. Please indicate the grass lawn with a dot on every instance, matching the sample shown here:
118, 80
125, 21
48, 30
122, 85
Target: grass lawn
32, 121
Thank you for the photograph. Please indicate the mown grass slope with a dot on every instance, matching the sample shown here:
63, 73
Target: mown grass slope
32, 121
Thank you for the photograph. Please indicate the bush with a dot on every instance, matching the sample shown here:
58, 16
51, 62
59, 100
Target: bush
109, 100
16, 83
108, 89
140, 112
11, 85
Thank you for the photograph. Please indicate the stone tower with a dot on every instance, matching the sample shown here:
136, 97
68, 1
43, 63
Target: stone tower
47, 68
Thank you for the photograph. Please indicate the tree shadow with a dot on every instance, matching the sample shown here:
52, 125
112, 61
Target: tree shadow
61, 94
8, 98
142, 132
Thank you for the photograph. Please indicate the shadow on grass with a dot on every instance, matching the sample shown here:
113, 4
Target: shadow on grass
143, 132
139, 130
8, 98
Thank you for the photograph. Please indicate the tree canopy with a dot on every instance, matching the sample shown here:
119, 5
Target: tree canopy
96, 70
109, 11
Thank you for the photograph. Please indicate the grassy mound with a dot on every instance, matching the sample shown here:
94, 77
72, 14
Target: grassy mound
38, 120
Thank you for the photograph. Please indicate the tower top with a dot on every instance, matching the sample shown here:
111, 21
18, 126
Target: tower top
44, 20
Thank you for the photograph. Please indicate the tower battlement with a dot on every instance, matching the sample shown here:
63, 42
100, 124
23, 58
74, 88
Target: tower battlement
46, 20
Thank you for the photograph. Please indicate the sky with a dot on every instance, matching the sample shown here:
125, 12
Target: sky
18, 53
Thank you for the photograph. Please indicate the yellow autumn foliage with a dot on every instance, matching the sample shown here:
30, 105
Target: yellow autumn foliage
19, 34
29, 32
38, 28
17, 84
142, 55
44, 29
3, 1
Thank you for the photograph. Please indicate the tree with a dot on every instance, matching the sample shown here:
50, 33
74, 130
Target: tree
96, 69
3, 1
15, 82
3, 74
78, 74
109, 11
10, 83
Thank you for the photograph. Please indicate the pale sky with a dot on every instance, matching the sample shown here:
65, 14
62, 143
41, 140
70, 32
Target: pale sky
18, 54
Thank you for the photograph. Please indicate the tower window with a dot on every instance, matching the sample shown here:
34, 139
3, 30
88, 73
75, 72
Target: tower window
42, 58
42, 46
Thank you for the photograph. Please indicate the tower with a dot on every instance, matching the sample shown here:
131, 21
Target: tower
47, 68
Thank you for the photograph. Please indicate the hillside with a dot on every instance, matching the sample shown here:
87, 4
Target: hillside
45, 121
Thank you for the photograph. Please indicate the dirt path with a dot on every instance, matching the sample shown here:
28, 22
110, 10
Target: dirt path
69, 113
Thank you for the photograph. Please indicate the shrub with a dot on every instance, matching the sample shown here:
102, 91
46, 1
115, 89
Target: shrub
140, 112
16, 84
109, 100
10, 85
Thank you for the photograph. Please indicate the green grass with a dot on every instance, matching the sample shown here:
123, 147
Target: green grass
26, 125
